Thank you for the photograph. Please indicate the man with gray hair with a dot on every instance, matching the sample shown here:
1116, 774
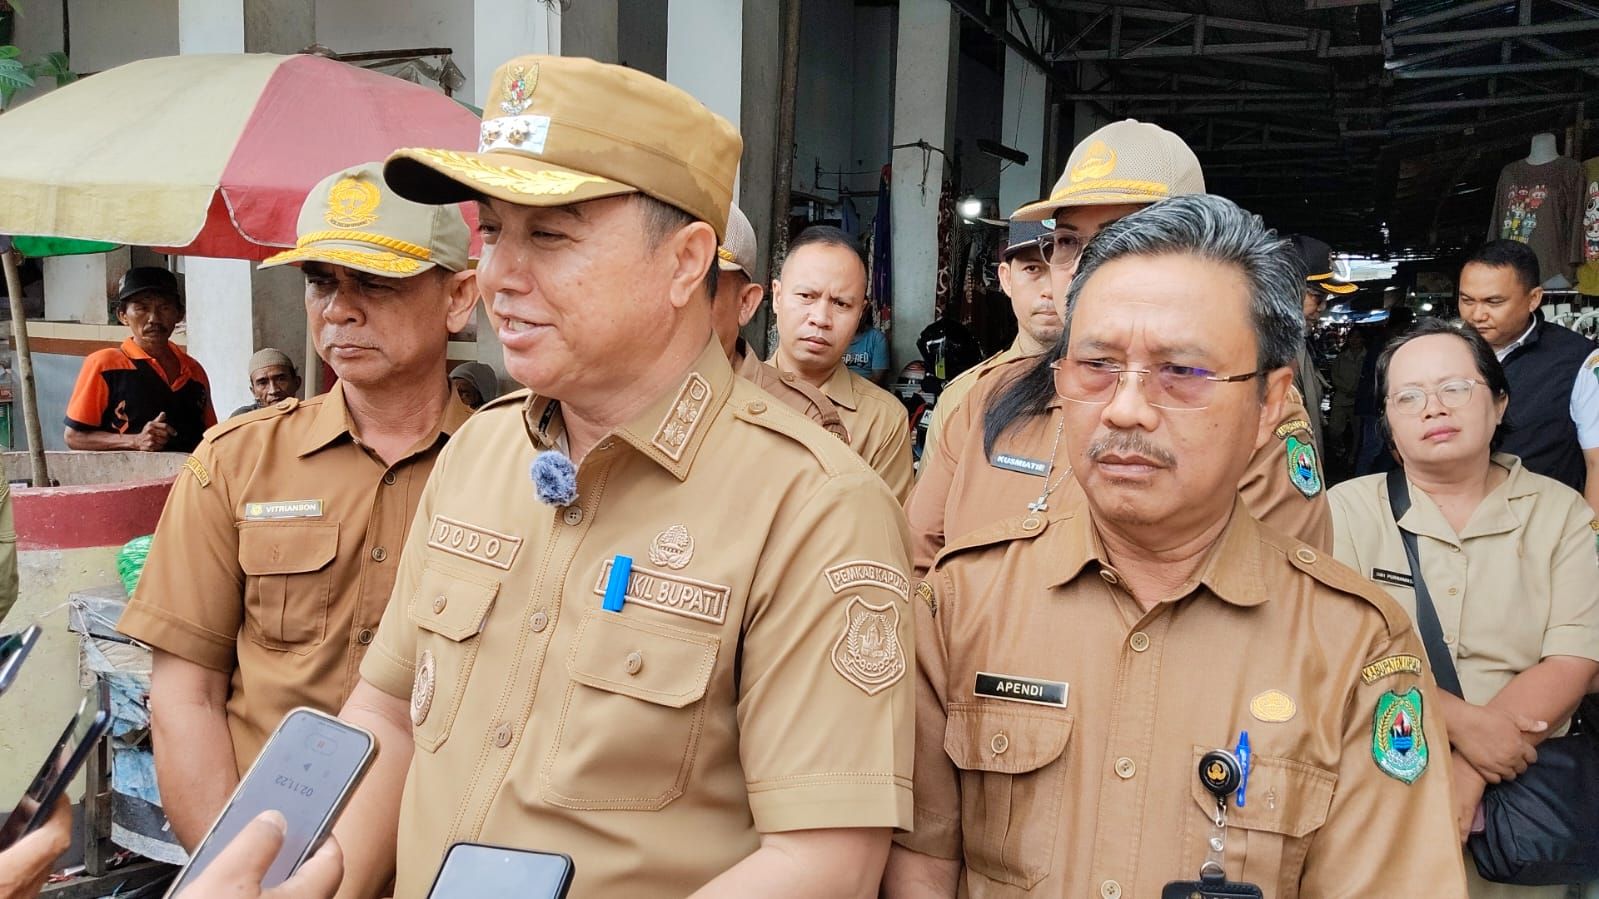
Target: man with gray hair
1219, 700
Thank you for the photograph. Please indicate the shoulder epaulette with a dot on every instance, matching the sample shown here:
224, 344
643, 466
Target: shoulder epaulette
276, 410
514, 398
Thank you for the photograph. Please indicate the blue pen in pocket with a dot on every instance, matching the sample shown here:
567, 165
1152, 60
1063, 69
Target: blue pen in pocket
1242, 751
616, 584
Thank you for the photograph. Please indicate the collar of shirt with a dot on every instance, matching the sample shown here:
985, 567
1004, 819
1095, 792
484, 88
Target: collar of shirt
187, 367
670, 430
333, 421
1525, 338
840, 388
1232, 569
1494, 514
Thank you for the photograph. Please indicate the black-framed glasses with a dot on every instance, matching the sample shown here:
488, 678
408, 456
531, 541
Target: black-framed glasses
1183, 387
1452, 394
1060, 249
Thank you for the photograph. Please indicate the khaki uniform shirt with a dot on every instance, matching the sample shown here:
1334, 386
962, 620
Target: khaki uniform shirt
949, 399
1097, 794
878, 425
798, 395
753, 682
1519, 584
962, 489
275, 557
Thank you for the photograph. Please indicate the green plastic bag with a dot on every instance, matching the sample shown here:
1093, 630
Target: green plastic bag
130, 562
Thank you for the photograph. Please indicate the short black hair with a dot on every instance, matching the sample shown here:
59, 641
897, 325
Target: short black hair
825, 236
1510, 254
661, 219
1482, 354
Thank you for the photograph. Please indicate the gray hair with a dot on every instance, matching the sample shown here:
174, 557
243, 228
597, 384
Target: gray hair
1217, 229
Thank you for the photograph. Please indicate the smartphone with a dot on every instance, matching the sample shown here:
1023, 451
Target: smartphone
477, 871
307, 771
88, 725
13, 649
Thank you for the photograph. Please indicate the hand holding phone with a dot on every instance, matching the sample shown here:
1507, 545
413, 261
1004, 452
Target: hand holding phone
305, 773
38, 802
13, 650
241, 866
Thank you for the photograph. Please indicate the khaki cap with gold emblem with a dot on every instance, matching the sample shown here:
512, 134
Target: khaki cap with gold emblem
737, 252
1124, 162
353, 219
559, 130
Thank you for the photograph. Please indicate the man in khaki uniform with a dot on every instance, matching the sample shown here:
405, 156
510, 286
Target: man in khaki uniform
1000, 452
660, 658
1024, 276
1077, 667
819, 297
738, 295
278, 547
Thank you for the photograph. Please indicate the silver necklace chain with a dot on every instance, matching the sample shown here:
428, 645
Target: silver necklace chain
1042, 503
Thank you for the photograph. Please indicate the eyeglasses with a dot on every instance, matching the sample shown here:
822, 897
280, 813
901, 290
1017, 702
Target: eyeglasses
1452, 394
1166, 386
1060, 250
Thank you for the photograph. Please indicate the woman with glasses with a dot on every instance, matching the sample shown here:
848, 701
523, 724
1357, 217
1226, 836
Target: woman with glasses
1507, 558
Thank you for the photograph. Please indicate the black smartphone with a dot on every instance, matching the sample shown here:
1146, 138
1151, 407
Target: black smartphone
88, 725
1210, 889
307, 771
13, 649
478, 871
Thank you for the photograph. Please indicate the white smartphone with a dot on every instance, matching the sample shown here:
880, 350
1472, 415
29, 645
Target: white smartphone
307, 771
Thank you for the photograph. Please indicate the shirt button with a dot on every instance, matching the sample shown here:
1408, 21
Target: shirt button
502, 734
1109, 576
1454, 549
635, 661
379, 554
1454, 591
1139, 641
999, 743
1031, 523
539, 622
1449, 639
439, 602
364, 637
573, 516
1304, 555
756, 408
388, 478
1110, 889
1125, 768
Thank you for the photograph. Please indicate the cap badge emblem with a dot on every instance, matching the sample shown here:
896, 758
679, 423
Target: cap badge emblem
353, 203
1098, 161
672, 548
519, 84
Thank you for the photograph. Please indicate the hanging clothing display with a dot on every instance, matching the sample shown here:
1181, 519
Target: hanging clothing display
1541, 206
1588, 271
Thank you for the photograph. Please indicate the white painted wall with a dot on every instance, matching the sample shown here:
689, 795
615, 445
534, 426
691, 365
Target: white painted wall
349, 26
704, 52
76, 288
105, 33
1022, 128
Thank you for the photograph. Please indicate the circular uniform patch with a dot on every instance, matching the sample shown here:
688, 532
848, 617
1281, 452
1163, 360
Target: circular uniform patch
1304, 470
422, 689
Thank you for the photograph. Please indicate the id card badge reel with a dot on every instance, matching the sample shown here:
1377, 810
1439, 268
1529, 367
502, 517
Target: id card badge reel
1223, 774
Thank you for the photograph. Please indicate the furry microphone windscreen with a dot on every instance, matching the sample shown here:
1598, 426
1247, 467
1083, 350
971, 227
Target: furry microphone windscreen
554, 478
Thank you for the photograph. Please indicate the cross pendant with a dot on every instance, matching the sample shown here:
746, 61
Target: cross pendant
1038, 505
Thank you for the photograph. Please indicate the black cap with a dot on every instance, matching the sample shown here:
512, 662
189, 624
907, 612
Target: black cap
1023, 235
1317, 258
147, 278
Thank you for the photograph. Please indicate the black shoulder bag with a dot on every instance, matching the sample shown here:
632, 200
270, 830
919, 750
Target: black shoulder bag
1542, 828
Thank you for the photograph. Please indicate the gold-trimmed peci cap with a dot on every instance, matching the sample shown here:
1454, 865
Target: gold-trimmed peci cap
559, 130
1124, 162
352, 218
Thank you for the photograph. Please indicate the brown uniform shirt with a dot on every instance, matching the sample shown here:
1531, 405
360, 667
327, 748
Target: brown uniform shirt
798, 395
275, 557
962, 489
954, 394
753, 682
878, 425
1097, 794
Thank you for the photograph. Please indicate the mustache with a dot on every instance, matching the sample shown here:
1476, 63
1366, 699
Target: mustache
1129, 443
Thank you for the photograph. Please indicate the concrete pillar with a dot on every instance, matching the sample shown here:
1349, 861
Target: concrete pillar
502, 29
209, 26
1022, 127
704, 52
278, 26
762, 39
221, 336
589, 28
76, 288
924, 102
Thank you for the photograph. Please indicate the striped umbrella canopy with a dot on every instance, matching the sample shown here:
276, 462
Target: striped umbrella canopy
206, 155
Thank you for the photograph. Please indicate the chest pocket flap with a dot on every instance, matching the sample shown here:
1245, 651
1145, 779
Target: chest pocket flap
985, 737
279, 548
452, 603
1286, 797
646, 660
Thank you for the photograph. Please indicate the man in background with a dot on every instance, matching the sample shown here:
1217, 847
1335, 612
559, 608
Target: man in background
273, 379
